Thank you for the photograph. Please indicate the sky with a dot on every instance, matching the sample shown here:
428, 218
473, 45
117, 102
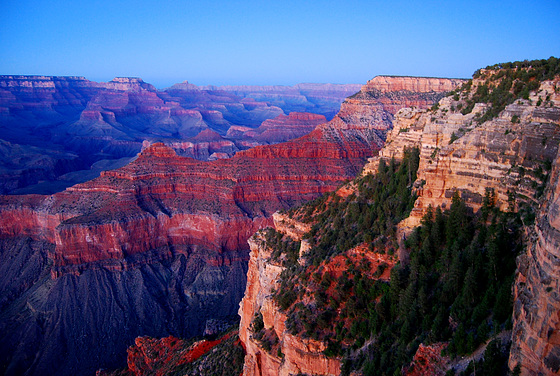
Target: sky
216, 42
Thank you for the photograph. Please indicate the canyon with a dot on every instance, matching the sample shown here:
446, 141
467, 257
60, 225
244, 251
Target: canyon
159, 247
59, 131
510, 161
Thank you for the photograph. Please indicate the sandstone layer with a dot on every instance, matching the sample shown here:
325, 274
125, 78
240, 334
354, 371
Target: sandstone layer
510, 156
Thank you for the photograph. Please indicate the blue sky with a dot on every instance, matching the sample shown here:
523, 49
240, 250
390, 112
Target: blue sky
271, 42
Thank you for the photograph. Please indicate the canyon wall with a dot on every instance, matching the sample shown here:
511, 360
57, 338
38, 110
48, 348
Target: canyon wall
510, 158
536, 313
514, 156
157, 247
365, 116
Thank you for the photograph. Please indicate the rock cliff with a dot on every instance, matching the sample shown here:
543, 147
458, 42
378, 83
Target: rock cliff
510, 155
458, 153
492, 142
536, 332
292, 355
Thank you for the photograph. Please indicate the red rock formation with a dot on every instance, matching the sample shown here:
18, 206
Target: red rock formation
207, 145
75, 123
158, 357
428, 361
500, 154
299, 355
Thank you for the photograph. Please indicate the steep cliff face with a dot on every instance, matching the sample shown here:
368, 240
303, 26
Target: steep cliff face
510, 155
494, 143
510, 158
292, 355
362, 117
536, 331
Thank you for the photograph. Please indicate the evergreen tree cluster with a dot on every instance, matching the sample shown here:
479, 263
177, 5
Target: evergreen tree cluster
455, 288
504, 83
381, 201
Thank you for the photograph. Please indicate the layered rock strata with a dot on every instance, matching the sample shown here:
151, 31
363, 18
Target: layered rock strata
510, 158
536, 314
172, 227
169, 355
60, 130
316, 98
280, 129
295, 355
361, 118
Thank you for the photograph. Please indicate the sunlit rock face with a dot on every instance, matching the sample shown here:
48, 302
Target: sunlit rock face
458, 154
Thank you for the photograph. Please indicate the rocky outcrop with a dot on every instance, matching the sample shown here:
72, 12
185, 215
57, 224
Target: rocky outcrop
458, 154
377, 103
151, 356
294, 355
428, 361
387, 84
536, 314
392, 93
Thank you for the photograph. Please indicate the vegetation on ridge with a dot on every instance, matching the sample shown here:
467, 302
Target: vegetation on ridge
503, 84
456, 287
